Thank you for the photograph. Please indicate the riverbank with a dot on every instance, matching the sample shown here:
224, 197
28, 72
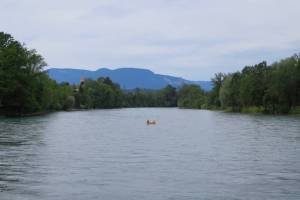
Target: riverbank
246, 110
26, 114
257, 110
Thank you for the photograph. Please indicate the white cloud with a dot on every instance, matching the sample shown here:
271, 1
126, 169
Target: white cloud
190, 38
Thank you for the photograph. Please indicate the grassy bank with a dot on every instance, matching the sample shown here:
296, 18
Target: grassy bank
295, 110
254, 110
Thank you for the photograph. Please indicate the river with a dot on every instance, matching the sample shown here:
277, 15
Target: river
113, 155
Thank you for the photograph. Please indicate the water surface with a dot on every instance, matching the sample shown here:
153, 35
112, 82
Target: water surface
113, 154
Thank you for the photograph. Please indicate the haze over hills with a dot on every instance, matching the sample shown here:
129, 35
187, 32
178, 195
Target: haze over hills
127, 78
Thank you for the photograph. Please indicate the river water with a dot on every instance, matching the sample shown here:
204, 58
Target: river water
113, 155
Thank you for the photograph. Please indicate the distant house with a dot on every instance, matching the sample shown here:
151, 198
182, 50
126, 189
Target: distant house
77, 87
82, 79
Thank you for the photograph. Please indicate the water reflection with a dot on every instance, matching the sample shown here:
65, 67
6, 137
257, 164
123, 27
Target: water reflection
20, 140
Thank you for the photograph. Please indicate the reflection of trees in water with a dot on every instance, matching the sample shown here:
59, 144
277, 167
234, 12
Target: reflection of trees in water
20, 139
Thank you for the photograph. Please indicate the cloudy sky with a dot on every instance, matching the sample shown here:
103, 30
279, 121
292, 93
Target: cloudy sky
189, 38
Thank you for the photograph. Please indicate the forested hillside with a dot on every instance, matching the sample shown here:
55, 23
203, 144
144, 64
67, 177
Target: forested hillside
127, 78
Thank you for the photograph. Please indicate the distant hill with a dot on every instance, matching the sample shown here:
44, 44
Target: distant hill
127, 78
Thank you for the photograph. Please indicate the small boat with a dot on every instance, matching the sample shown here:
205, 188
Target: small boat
151, 122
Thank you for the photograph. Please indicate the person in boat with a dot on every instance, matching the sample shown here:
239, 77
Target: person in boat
151, 122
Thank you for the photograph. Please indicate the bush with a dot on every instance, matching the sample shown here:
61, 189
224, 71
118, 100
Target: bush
253, 109
295, 110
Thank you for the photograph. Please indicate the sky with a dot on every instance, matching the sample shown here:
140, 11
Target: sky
193, 39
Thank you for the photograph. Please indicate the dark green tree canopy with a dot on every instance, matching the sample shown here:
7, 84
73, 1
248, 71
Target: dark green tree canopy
269, 88
25, 88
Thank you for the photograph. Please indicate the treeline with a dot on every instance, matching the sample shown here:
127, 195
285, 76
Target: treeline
260, 88
103, 93
26, 89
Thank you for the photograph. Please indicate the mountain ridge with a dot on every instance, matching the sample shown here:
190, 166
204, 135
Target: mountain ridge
127, 77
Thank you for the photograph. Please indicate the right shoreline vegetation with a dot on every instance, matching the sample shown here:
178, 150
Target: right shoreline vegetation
26, 89
262, 88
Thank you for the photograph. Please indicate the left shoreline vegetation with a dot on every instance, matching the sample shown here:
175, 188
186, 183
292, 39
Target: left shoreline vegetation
26, 89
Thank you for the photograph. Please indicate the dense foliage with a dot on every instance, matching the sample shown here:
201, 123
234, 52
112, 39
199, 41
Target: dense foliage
260, 88
103, 93
191, 96
26, 89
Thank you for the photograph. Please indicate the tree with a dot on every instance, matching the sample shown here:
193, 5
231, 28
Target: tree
229, 92
214, 98
191, 96
253, 85
20, 69
167, 97
283, 86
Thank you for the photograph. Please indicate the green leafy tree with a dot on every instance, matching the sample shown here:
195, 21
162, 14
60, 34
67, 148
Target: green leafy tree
213, 97
229, 92
20, 70
191, 96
